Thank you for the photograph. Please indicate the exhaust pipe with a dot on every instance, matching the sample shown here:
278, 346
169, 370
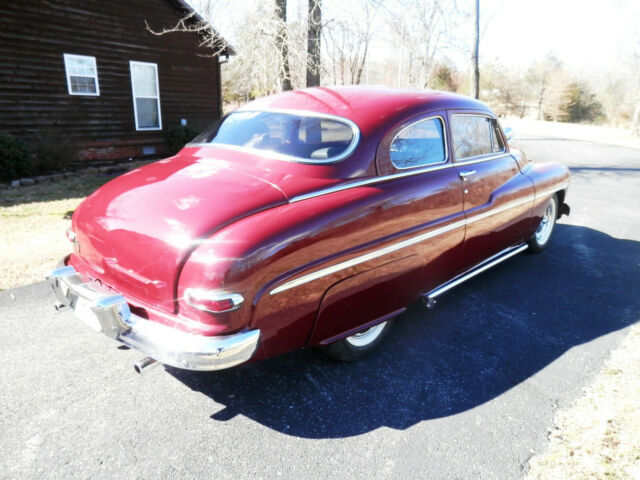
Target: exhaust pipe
145, 364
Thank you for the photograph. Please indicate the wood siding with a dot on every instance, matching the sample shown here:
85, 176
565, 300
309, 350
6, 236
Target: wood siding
34, 98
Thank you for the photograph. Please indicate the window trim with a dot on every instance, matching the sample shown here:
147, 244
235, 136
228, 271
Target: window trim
444, 140
495, 123
66, 56
355, 141
483, 156
134, 96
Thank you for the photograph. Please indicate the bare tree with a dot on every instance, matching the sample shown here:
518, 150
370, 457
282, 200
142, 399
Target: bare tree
635, 122
314, 29
546, 82
418, 28
476, 51
285, 73
347, 42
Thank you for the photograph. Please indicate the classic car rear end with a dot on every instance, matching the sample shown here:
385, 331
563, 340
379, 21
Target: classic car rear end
304, 219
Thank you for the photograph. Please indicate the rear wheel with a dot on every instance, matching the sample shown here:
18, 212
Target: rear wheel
540, 239
360, 344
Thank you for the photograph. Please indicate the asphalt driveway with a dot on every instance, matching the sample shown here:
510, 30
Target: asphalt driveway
467, 390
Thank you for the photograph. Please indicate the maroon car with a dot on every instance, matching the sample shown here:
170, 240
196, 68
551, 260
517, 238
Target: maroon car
306, 219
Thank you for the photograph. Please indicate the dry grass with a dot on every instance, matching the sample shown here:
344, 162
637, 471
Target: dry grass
598, 437
33, 224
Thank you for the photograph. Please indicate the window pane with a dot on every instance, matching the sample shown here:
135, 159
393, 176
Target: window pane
147, 109
471, 135
498, 145
144, 80
419, 144
309, 138
83, 84
80, 66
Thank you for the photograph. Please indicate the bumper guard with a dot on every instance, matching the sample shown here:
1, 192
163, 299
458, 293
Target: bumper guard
109, 313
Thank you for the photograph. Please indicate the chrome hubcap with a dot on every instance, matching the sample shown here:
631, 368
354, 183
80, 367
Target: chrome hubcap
364, 338
546, 224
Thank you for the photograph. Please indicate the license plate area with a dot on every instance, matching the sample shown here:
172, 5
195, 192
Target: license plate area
84, 313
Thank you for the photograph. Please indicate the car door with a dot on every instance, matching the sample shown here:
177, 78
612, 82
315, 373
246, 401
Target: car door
497, 197
420, 207
417, 153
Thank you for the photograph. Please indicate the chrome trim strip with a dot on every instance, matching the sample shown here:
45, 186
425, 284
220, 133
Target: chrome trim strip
487, 264
444, 140
291, 158
365, 258
551, 190
368, 181
482, 158
411, 241
384, 178
500, 209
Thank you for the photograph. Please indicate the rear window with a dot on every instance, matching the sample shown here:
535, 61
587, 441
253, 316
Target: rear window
309, 138
419, 144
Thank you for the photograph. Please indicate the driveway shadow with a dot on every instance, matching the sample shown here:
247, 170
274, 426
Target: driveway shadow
482, 339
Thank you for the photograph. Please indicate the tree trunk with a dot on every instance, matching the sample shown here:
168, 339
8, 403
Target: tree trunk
313, 43
476, 52
635, 126
285, 74
540, 99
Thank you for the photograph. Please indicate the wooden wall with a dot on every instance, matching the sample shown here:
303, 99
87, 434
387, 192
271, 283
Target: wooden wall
34, 99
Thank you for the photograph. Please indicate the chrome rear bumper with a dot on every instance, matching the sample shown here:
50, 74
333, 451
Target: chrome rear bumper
109, 313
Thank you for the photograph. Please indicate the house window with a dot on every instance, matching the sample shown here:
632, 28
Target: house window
146, 95
82, 75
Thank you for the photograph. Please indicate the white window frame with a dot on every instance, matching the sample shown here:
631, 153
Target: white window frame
133, 93
68, 56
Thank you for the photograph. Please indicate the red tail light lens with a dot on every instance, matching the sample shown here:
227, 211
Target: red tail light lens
213, 301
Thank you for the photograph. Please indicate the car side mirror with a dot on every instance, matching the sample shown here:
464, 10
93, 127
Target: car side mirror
508, 133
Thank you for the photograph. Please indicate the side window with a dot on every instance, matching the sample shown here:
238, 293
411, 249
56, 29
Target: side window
471, 135
498, 143
419, 144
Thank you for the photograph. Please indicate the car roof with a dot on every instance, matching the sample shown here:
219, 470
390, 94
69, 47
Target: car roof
367, 106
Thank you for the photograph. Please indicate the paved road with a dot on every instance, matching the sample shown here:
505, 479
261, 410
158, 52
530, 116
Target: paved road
467, 390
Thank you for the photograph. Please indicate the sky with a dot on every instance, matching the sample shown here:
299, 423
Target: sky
584, 34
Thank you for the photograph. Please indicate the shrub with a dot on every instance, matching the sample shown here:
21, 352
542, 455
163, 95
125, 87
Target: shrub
177, 136
54, 151
581, 106
15, 158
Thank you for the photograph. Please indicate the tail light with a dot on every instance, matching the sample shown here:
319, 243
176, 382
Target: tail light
213, 301
71, 236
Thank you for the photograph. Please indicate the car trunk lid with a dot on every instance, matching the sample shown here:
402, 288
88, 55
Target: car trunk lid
135, 232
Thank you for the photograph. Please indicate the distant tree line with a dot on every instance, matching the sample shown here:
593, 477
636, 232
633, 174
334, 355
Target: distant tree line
316, 46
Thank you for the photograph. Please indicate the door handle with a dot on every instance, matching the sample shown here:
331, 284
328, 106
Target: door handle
467, 173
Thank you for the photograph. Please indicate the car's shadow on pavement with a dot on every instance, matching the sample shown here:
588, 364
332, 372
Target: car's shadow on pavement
482, 339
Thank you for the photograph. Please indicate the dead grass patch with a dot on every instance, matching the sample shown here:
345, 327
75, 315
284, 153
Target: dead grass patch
33, 225
598, 437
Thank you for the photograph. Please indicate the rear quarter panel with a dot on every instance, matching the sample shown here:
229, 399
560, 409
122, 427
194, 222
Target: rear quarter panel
259, 253
547, 178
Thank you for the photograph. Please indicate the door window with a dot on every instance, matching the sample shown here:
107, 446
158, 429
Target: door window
472, 136
421, 143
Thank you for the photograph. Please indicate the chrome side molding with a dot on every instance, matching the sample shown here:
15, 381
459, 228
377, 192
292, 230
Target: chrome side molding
430, 297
